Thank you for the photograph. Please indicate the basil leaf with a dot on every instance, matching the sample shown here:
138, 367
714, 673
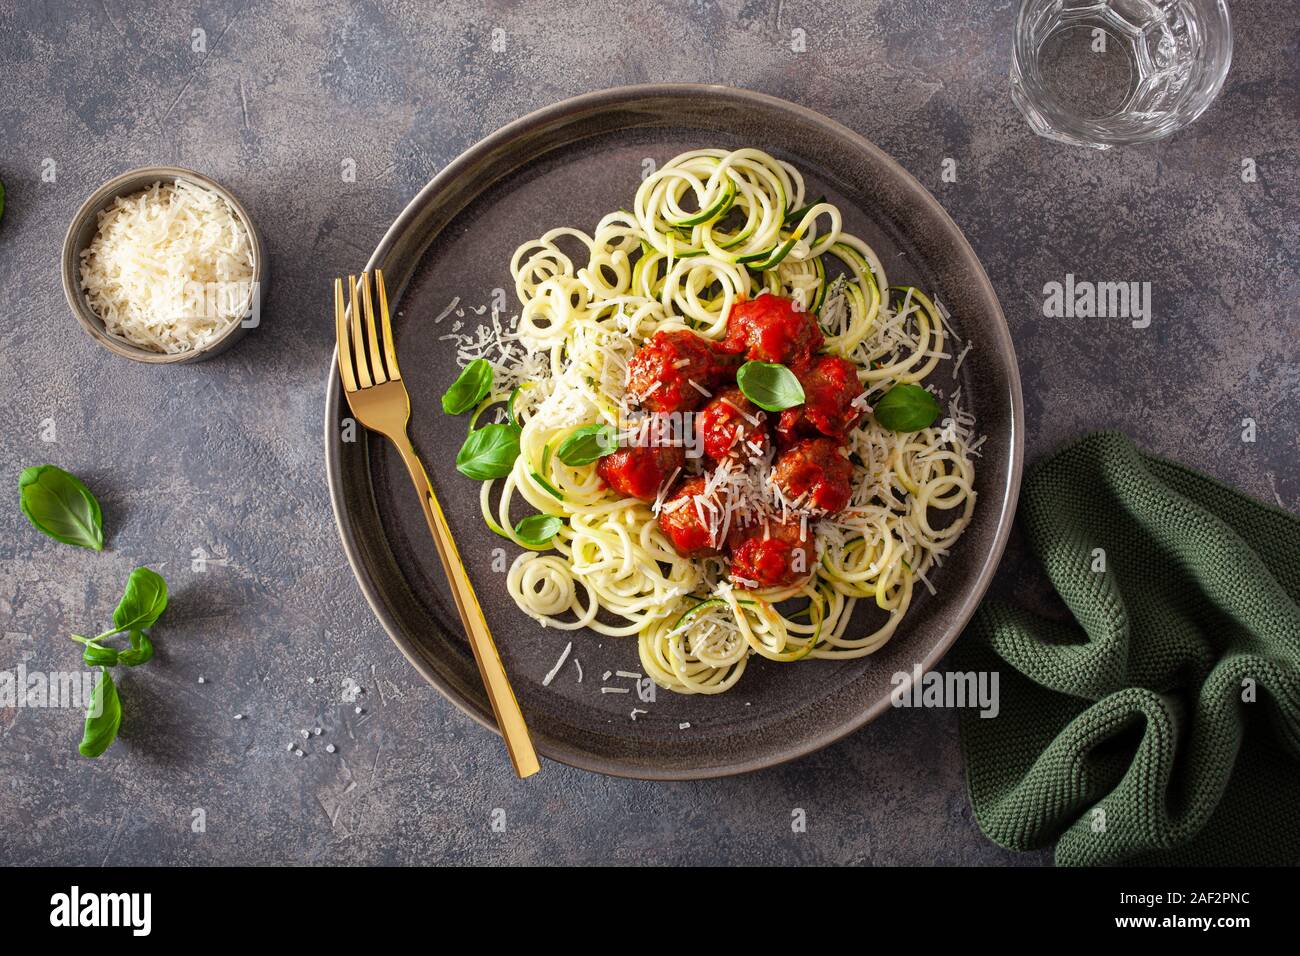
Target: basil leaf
59, 505
906, 408
588, 443
144, 600
96, 656
538, 530
141, 650
769, 386
468, 390
489, 452
103, 717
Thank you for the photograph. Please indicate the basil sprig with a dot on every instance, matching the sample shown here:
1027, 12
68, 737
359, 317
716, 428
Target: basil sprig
906, 408
770, 386
59, 505
489, 452
588, 443
538, 530
469, 388
143, 601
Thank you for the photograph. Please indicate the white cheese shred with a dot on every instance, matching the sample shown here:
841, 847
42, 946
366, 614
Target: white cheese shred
170, 268
564, 656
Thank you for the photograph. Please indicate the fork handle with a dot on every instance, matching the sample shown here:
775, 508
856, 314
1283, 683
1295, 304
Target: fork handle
501, 695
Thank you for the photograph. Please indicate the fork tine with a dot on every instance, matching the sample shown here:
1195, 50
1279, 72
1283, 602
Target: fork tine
341, 333
390, 354
372, 336
358, 342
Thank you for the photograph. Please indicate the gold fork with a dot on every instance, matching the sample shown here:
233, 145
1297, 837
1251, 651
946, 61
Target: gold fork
379, 401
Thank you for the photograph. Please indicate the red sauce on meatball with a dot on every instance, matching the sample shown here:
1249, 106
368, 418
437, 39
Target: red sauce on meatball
661, 371
770, 329
730, 424
681, 522
830, 384
770, 555
639, 471
814, 467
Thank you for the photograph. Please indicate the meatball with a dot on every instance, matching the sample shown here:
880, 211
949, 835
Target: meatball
770, 329
732, 425
681, 522
662, 370
770, 555
815, 470
830, 386
639, 471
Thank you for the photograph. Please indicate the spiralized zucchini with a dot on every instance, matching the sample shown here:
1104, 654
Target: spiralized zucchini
708, 229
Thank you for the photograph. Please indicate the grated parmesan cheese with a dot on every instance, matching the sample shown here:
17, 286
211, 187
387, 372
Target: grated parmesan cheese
564, 656
170, 267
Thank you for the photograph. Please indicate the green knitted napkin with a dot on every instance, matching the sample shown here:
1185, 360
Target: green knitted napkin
1162, 724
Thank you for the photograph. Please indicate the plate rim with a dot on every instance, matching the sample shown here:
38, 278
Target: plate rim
585, 103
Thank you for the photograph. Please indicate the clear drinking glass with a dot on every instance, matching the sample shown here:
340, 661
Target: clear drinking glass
1104, 73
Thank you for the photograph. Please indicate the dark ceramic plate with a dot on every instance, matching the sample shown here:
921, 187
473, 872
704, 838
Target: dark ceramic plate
569, 164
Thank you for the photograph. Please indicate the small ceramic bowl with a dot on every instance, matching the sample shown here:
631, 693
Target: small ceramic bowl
82, 231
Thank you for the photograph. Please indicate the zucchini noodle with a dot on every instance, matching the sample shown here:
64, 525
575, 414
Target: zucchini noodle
708, 229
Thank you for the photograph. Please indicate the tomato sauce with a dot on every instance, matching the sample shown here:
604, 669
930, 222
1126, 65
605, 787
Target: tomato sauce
638, 471
770, 329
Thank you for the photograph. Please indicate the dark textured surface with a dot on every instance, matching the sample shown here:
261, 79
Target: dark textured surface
226, 455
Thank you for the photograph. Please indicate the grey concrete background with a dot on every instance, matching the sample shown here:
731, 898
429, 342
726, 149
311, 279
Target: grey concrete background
227, 456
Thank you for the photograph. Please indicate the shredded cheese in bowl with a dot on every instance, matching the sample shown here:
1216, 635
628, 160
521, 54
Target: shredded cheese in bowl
170, 268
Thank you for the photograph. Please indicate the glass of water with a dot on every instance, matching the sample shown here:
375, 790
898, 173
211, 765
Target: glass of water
1105, 73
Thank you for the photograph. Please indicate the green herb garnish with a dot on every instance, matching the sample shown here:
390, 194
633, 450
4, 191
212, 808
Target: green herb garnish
143, 602
538, 530
489, 452
140, 651
96, 656
770, 386
588, 443
907, 408
103, 717
59, 505
145, 599
474, 382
